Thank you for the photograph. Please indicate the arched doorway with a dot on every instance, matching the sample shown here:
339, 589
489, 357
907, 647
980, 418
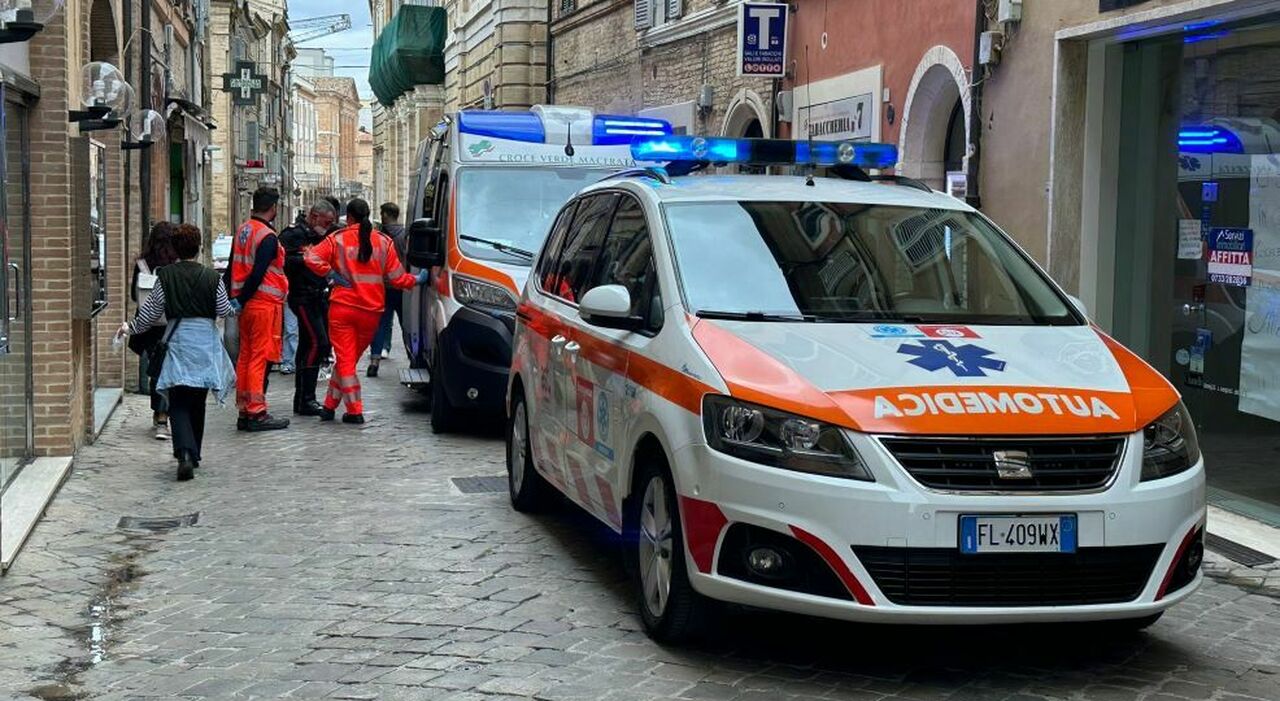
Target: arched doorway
102, 33
934, 136
745, 119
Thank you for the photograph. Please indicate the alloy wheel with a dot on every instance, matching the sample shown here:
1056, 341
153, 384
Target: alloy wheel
656, 547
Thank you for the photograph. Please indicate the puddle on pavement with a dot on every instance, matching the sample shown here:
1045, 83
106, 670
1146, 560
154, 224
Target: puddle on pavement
104, 613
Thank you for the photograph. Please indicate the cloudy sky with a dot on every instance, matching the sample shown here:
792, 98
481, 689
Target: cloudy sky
349, 49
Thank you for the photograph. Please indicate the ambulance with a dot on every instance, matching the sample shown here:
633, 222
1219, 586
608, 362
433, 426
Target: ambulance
846, 396
482, 198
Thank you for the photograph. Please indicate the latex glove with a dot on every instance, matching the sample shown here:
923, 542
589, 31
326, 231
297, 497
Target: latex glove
235, 307
424, 276
339, 280
122, 331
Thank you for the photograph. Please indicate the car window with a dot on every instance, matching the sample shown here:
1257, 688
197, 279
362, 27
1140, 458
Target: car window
548, 264
627, 259
577, 262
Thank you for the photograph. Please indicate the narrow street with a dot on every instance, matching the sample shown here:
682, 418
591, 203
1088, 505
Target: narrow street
330, 561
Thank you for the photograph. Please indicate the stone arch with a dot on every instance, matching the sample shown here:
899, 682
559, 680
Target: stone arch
104, 44
940, 82
746, 109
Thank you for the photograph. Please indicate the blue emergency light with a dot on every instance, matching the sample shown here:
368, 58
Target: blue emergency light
1208, 139
764, 152
609, 130
606, 130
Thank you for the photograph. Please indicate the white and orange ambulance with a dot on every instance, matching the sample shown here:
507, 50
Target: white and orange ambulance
845, 396
486, 187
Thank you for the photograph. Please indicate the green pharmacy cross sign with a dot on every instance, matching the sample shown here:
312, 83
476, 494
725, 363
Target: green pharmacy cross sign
244, 84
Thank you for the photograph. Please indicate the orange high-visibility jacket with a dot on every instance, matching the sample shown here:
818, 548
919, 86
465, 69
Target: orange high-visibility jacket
244, 248
339, 252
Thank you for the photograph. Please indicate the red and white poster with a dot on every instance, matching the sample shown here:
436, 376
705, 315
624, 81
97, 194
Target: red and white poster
936, 331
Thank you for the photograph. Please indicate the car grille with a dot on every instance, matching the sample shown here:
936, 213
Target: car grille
946, 577
1057, 464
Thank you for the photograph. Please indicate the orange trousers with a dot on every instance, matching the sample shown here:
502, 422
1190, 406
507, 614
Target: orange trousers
261, 326
351, 330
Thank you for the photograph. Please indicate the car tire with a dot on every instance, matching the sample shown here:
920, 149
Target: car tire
444, 415
527, 488
658, 559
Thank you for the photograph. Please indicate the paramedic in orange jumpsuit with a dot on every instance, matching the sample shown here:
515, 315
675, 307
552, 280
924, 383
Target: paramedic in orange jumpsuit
258, 289
367, 262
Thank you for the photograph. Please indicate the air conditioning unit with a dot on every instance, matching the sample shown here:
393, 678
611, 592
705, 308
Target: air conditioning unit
1009, 11
786, 104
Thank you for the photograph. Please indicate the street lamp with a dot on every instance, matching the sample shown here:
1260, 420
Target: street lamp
106, 95
22, 19
145, 127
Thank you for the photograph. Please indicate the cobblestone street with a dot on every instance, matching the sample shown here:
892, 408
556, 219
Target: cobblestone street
333, 561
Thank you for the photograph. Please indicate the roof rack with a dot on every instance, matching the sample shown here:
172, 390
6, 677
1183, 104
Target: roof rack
654, 173
852, 172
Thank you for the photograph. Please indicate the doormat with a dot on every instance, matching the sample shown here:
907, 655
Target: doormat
481, 485
158, 523
1237, 553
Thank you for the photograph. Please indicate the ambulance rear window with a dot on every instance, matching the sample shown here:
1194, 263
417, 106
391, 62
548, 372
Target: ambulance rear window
857, 263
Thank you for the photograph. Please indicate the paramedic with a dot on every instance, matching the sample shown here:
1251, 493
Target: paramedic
361, 263
258, 288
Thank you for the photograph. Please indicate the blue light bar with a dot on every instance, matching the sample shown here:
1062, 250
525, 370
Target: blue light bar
764, 152
1208, 139
610, 130
513, 126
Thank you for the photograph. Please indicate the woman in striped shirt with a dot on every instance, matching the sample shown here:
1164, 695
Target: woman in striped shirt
191, 296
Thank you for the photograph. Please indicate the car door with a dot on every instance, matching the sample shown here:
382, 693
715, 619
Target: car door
576, 265
543, 323
599, 357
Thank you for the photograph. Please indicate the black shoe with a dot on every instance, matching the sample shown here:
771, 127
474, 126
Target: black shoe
242, 424
353, 418
265, 422
326, 414
186, 468
311, 408
372, 371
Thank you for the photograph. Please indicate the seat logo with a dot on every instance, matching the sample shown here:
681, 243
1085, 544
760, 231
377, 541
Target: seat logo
1012, 464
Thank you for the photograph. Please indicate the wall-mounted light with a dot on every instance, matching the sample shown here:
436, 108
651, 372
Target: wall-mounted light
145, 127
105, 95
22, 19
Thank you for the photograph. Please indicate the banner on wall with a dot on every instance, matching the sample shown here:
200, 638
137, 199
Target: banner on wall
1260, 346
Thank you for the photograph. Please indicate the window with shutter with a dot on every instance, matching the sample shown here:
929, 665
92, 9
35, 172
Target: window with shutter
675, 8
644, 14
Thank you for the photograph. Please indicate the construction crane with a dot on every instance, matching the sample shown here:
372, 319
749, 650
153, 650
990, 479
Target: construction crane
309, 28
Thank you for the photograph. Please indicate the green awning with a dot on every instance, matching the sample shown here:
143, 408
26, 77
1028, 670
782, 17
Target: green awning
408, 52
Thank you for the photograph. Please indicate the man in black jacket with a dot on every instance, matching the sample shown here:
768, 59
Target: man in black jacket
309, 301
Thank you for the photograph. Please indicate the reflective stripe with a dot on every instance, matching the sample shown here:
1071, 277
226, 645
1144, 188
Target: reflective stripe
368, 278
396, 272
271, 290
348, 381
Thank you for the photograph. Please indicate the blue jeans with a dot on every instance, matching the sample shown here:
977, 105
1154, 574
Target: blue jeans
382, 339
290, 339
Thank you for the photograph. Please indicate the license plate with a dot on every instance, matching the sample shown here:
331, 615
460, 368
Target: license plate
1018, 534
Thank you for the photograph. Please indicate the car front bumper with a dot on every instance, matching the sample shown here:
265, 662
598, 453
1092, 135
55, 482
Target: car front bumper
896, 519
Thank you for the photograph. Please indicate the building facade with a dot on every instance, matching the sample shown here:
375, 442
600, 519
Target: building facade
1128, 145
307, 173
364, 166
250, 45
337, 120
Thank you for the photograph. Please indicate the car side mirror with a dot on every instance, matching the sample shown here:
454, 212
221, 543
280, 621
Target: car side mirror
426, 243
1079, 305
609, 306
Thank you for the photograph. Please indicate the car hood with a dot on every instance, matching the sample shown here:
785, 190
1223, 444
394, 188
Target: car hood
942, 380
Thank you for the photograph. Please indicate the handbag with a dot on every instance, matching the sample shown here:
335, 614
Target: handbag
160, 350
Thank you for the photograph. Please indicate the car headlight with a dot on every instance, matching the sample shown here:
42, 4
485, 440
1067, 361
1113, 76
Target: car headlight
474, 293
1169, 444
778, 439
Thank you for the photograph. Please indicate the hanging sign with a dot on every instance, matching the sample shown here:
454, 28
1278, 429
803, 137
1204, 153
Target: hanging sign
244, 84
1230, 256
762, 39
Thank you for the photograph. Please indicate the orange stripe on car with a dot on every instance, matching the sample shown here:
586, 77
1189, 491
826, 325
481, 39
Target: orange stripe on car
1153, 395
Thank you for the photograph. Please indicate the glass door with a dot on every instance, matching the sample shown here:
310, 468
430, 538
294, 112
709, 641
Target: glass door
15, 293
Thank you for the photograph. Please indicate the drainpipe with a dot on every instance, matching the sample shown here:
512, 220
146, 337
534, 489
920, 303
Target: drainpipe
973, 197
144, 76
128, 158
551, 55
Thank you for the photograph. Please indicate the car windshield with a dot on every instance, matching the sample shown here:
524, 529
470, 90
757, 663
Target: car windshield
815, 261
506, 212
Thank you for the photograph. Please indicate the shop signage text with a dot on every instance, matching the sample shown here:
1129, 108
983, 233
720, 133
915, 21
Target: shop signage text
762, 39
839, 120
1231, 256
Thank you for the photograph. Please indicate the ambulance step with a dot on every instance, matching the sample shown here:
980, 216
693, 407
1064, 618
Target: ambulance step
412, 377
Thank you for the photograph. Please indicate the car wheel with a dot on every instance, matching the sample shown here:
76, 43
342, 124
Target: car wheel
444, 416
529, 491
670, 609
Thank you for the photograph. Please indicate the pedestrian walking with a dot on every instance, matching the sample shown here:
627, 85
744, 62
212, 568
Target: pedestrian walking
309, 302
158, 252
258, 288
190, 359
381, 347
362, 263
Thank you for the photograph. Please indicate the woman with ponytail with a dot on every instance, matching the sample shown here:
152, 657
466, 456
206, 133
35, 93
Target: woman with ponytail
361, 263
